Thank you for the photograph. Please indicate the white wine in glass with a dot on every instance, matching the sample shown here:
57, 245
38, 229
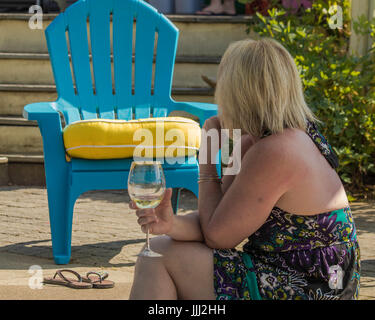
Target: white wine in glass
146, 187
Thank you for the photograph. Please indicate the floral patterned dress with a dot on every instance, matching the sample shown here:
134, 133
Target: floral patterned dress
294, 256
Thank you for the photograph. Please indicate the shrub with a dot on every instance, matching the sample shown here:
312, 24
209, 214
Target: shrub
339, 87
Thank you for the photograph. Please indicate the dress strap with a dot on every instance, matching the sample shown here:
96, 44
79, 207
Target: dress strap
322, 144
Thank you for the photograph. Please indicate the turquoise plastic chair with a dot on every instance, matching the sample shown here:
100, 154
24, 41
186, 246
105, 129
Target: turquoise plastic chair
113, 92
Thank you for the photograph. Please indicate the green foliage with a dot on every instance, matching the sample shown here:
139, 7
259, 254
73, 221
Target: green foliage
339, 87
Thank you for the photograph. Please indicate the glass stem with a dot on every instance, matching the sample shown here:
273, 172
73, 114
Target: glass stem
148, 239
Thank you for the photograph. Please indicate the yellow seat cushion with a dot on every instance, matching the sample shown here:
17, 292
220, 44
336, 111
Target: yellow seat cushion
113, 139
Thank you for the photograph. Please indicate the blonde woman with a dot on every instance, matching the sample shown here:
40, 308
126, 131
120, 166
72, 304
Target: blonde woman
287, 202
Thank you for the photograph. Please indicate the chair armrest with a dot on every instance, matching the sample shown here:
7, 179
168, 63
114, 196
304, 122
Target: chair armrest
49, 121
40, 111
202, 110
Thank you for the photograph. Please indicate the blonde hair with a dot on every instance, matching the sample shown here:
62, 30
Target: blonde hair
259, 89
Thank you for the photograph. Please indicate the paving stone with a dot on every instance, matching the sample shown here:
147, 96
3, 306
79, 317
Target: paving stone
106, 235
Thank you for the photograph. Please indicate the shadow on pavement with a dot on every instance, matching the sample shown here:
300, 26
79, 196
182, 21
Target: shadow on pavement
92, 255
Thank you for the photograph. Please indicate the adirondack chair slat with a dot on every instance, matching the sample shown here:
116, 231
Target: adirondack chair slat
58, 48
99, 19
159, 112
144, 56
77, 27
142, 111
123, 21
164, 64
71, 115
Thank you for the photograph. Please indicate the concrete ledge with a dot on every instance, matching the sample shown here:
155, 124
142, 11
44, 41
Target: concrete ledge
25, 16
17, 121
27, 87
210, 19
52, 88
13, 102
4, 176
26, 174
172, 17
23, 158
45, 56
23, 170
20, 139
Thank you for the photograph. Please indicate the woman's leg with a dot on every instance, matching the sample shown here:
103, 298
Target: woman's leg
184, 272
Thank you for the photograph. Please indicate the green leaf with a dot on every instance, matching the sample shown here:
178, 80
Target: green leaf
262, 18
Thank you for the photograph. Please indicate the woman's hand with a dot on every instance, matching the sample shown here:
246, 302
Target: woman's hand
212, 123
159, 220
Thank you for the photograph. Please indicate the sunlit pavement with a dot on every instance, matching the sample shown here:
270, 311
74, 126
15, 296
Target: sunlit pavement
106, 237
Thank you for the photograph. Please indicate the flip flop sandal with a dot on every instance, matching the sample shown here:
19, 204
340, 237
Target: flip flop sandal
97, 279
68, 282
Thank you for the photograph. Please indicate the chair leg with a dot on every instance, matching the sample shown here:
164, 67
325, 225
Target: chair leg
60, 204
175, 199
61, 217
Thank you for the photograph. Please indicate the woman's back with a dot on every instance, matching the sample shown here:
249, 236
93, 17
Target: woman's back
318, 187
307, 248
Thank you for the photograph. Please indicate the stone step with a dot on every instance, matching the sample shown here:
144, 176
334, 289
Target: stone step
13, 97
45, 56
18, 134
17, 121
4, 174
35, 68
23, 158
199, 35
25, 169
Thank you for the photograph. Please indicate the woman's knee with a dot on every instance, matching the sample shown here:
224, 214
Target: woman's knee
182, 250
166, 245
187, 263
178, 254
161, 244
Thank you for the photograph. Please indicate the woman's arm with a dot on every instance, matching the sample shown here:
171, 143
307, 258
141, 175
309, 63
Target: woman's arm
210, 195
268, 170
239, 149
186, 228
211, 192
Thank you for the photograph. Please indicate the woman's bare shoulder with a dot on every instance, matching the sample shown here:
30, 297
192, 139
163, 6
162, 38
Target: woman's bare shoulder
280, 151
286, 144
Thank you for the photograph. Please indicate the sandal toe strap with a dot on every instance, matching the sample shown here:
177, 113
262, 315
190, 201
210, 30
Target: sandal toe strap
101, 274
60, 274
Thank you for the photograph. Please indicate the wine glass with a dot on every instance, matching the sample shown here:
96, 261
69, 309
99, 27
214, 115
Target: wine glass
146, 187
